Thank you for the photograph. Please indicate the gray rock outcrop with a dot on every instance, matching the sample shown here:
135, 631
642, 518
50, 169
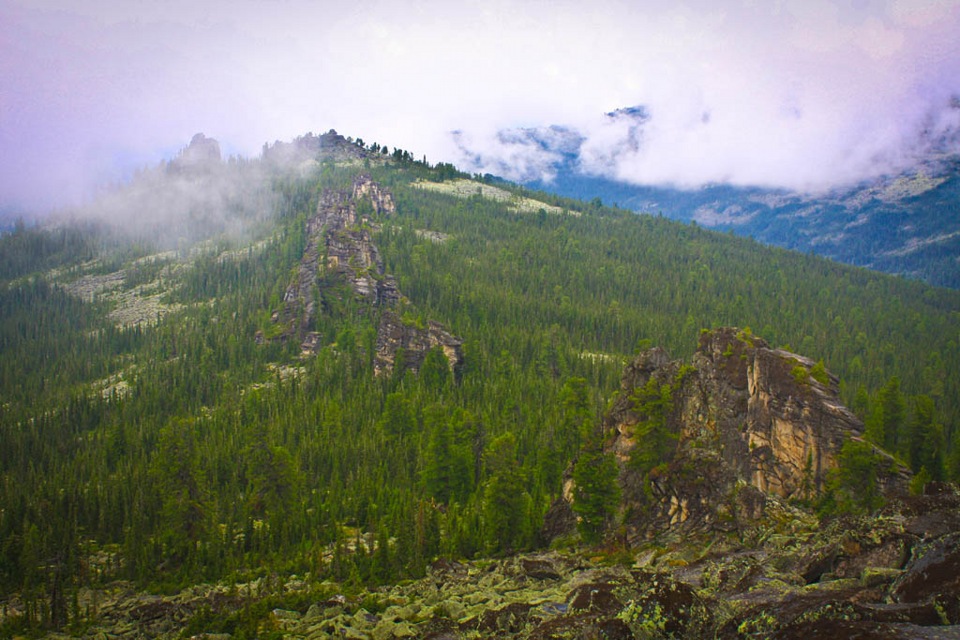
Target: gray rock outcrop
201, 154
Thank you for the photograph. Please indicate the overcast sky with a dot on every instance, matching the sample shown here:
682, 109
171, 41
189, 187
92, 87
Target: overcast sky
801, 93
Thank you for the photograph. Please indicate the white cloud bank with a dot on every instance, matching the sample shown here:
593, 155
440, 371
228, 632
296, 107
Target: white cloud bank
801, 94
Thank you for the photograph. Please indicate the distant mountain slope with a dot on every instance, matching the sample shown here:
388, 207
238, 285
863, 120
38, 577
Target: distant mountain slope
8, 220
906, 223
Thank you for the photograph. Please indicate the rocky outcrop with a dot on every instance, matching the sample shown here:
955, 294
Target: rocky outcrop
340, 249
338, 245
351, 255
310, 148
201, 154
743, 428
380, 198
395, 337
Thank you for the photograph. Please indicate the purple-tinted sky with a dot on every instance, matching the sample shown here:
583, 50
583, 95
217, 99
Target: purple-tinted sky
798, 93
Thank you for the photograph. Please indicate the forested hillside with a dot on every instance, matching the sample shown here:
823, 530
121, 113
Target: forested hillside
148, 434
902, 224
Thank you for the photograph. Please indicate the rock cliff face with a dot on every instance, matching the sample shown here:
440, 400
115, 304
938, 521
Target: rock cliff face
393, 336
340, 248
348, 248
743, 427
380, 198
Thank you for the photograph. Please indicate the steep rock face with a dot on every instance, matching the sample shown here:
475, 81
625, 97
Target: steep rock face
793, 425
350, 251
338, 244
380, 198
394, 336
742, 427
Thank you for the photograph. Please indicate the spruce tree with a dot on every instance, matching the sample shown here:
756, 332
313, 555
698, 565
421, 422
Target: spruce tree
596, 495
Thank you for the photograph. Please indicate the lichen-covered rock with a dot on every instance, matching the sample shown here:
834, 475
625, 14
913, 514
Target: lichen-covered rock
505, 621
665, 608
595, 597
684, 593
390, 629
890, 552
582, 627
933, 572
440, 629
929, 516
539, 569
846, 589
864, 630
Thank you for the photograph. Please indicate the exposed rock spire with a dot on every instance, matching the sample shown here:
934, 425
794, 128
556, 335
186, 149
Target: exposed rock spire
744, 426
339, 245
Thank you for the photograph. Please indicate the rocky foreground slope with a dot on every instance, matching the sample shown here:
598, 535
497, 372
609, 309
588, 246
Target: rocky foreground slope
892, 575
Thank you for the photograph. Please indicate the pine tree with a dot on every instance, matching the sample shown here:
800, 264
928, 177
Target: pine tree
596, 495
397, 419
885, 426
447, 471
926, 441
504, 497
435, 370
183, 489
856, 478
656, 443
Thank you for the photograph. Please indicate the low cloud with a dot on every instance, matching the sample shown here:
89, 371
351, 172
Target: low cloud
194, 197
805, 99
801, 94
521, 155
